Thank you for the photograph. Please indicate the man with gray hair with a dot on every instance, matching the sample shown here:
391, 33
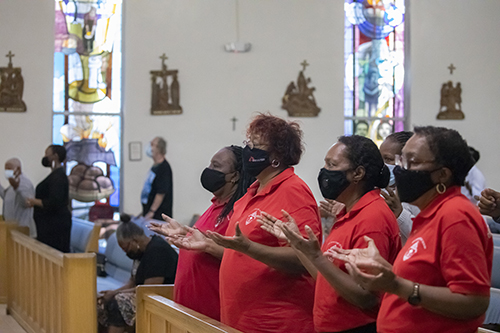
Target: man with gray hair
156, 195
15, 196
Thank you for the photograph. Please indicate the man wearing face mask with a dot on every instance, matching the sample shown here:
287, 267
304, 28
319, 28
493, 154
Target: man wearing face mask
15, 196
156, 195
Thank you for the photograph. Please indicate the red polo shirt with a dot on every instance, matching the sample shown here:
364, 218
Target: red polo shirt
449, 246
254, 296
371, 217
197, 278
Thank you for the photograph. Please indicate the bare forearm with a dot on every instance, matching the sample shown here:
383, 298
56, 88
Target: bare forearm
443, 301
309, 266
215, 250
281, 258
156, 202
344, 284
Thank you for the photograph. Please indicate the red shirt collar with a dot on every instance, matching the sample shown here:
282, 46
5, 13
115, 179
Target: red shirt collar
276, 181
365, 200
434, 205
217, 203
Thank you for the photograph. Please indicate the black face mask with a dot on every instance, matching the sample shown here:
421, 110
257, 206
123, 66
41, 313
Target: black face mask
412, 184
135, 255
212, 180
45, 162
332, 183
255, 160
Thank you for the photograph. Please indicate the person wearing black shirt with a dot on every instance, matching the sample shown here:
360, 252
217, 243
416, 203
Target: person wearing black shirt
156, 195
156, 263
51, 213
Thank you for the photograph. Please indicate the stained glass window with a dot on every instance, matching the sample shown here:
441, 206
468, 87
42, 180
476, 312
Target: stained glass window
87, 97
374, 68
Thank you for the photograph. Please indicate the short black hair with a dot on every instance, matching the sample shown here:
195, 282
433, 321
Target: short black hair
449, 149
364, 152
60, 151
474, 153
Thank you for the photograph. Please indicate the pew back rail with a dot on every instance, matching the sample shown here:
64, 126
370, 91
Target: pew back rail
50, 291
157, 313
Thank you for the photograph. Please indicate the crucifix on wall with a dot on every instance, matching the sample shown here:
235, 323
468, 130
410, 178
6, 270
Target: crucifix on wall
165, 97
11, 88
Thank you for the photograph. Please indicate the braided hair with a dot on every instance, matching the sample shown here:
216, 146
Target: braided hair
243, 183
400, 137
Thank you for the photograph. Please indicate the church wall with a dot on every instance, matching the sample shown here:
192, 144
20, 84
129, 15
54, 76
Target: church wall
216, 86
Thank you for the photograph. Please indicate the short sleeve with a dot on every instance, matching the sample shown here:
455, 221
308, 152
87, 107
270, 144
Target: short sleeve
163, 179
464, 261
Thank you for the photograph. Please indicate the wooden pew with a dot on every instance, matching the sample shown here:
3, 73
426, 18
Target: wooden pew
5, 228
50, 291
156, 312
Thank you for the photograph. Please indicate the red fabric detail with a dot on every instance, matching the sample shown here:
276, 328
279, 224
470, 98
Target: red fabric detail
254, 296
449, 246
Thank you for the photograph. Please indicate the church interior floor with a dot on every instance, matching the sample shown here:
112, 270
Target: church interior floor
7, 323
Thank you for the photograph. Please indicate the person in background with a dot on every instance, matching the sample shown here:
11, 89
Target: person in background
155, 262
353, 174
15, 196
157, 193
263, 285
51, 214
197, 279
391, 149
475, 182
440, 281
489, 204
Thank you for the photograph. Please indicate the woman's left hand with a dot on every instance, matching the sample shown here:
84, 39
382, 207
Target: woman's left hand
373, 276
310, 247
238, 242
272, 225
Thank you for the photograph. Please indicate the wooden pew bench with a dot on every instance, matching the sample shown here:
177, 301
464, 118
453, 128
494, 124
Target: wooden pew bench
5, 228
50, 291
156, 312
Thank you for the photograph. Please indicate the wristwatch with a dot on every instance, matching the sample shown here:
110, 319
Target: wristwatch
414, 298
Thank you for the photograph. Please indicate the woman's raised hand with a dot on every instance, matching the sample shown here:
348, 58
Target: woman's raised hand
238, 242
272, 225
171, 228
310, 247
194, 240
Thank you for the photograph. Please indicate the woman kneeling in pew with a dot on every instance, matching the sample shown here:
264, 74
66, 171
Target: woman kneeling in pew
155, 262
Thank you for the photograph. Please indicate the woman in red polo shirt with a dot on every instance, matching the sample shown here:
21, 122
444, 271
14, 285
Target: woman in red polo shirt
263, 285
197, 279
440, 281
353, 173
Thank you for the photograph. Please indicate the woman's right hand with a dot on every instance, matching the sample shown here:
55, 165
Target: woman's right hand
171, 228
195, 240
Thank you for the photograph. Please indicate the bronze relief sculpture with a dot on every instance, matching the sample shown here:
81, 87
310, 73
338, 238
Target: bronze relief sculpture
451, 102
299, 100
11, 88
165, 97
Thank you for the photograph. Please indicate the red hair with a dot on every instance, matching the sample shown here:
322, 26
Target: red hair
284, 138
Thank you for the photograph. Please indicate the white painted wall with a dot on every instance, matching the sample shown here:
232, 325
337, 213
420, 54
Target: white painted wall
215, 86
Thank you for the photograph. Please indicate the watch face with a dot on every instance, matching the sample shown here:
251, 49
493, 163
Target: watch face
414, 299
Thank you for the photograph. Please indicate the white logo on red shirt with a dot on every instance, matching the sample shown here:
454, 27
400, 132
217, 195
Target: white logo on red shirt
253, 216
333, 245
414, 248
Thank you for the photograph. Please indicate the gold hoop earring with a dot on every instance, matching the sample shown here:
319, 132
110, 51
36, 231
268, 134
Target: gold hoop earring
440, 188
275, 163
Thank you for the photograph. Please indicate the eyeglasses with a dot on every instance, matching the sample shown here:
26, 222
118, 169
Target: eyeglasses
406, 163
251, 145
